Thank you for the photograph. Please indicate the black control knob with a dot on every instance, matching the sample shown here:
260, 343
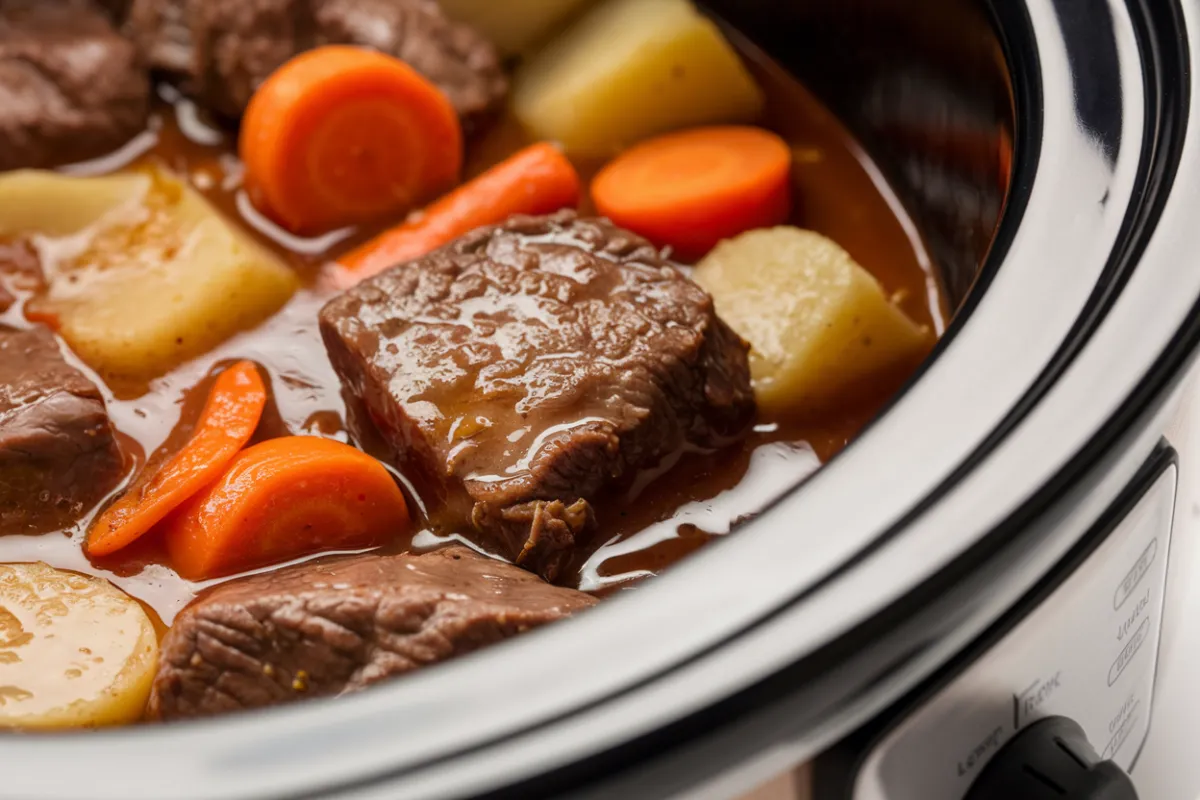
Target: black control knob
1051, 760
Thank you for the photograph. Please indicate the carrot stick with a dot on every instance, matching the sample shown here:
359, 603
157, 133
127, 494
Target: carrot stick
537, 180
282, 499
690, 190
234, 407
340, 135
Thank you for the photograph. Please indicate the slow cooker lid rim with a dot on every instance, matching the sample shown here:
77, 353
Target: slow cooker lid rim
319, 704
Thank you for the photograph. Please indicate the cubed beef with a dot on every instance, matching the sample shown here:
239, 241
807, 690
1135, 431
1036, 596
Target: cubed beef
328, 628
71, 88
527, 367
223, 49
58, 452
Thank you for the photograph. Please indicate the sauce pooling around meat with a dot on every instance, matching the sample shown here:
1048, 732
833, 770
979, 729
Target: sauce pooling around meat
665, 514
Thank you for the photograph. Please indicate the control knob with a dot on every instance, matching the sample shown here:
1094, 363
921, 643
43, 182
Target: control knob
1051, 760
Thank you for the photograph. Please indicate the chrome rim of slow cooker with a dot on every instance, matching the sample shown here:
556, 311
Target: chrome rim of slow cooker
729, 618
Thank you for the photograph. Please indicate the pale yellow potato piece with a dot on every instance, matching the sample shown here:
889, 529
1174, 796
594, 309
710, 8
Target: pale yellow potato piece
513, 25
630, 69
143, 274
52, 205
75, 651
818, 324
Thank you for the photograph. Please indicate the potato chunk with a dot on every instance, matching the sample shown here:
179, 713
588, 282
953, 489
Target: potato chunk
514, 25
74, 651
630, 69
142, 273
818, 324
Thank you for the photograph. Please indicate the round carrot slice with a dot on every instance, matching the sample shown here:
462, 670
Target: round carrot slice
340, 135
234, 407
692, 189
282, 499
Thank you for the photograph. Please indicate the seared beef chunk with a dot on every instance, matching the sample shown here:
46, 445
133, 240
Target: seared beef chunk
58, 453
223, 49
527, 367
71, 88
325, 629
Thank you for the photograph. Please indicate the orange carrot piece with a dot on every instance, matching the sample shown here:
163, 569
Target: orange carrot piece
690, 190
536, 180
282, 499
235, 405
340, 135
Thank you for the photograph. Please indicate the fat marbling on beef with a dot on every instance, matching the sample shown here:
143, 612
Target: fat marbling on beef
58, 452
223, 49
527, 368
71, 88
328, 628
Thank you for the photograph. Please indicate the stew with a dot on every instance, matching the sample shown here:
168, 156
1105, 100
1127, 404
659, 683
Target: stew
340, 338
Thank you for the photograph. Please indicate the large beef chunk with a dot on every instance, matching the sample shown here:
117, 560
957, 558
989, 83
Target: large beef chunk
58, 453
329, 628
223, 49
529, 366
71, 88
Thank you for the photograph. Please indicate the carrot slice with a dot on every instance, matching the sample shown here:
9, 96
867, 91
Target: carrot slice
282, 499
536, 180
339, 135
690, 190
235, 405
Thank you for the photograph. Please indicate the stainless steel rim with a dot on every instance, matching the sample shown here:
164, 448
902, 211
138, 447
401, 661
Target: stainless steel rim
674, 640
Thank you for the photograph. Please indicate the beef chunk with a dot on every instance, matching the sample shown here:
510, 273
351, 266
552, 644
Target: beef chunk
223, 49
328, 628
71, 88
526, 367
58, 453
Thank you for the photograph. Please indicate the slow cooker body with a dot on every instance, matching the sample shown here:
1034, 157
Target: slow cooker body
991, 552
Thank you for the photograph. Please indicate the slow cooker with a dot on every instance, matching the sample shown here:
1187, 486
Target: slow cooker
979, 598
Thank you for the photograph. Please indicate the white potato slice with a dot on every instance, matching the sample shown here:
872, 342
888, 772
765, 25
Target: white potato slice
818, 324
630, 69
75, 651
143, 274
513, 25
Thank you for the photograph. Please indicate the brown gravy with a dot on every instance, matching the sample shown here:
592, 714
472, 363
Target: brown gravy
663, 517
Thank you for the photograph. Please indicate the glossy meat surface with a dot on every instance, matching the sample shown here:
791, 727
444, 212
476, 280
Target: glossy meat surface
335, 627
224, 49
58, 452
71, 88
530, 366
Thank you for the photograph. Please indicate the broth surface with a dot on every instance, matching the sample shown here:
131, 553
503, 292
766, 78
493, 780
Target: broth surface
667, 514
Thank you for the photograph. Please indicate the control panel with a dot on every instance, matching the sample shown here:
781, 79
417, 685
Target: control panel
1087, 652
